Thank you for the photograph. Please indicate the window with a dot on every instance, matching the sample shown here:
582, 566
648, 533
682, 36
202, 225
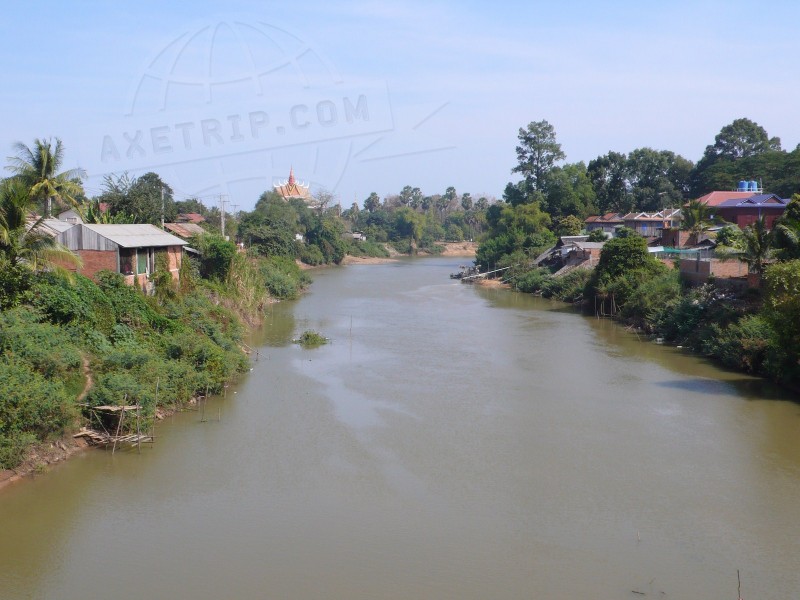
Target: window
127, 259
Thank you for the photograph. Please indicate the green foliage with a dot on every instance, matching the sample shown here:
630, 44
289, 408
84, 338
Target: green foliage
33, 408
312, 255
216, 255
368, 248
283, 278
782, 311
597, 235
145, 199
48, 350
35, 168
569, 225
750, 345
537, 153
15, 280
311, 339
531, 281
730, 236
621, 255
567, 288
649, 302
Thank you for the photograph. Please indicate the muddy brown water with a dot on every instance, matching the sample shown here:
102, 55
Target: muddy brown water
450, 442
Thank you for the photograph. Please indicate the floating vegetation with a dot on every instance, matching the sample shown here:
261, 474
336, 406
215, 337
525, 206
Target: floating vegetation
311, 339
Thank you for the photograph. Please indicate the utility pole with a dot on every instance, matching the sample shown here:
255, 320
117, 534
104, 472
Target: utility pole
162, 206
222, 202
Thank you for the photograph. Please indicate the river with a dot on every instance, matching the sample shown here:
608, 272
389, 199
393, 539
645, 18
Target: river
450, 442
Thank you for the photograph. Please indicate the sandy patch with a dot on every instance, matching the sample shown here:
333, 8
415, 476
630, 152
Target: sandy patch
492, 283
459, 248
365, 260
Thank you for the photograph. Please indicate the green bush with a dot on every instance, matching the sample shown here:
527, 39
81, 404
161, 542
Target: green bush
312, 255
46, 348
750, 345
531, 281
32, 408
649, 301
567, 288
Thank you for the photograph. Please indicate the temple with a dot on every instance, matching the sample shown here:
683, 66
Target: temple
293, 189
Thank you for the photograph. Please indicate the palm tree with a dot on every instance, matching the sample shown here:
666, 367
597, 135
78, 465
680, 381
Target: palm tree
757, 245
23, 243
695, 217
37, 167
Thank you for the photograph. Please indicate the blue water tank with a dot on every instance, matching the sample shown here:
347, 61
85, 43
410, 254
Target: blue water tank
753, 185
743, 186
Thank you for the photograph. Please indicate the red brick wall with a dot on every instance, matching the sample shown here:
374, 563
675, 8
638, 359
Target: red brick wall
174, 257
698, 271
97, 260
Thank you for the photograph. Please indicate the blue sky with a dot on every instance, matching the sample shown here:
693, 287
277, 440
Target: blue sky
445, 86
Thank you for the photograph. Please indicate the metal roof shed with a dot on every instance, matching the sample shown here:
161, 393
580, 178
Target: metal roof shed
112, 237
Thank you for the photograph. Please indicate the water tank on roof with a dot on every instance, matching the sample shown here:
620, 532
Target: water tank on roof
753, 185
743, 186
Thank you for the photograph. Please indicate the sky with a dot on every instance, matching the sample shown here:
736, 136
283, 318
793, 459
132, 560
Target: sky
223, 99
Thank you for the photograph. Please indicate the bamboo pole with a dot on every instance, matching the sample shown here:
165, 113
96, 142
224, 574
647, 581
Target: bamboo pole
119, 424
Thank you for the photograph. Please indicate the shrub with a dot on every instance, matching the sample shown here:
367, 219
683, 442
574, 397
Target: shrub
311, 339
32, 409
312, 255
749, 345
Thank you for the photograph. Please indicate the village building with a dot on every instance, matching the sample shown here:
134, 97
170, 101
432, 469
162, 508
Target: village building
746, 211
184, 230
127, 249
195, 218
607, 223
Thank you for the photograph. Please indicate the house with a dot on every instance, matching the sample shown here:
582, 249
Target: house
195, 218
714, 199
746, 211
127, 249
74, 217
652, 224
184, 230
608, 223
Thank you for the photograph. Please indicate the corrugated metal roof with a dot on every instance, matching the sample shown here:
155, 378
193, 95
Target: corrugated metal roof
184, 230
55, 226
136, 236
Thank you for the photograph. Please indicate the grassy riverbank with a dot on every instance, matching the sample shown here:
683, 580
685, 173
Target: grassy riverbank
70, 344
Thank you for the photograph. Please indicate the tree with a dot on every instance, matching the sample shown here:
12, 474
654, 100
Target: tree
466, 201
406, 194
782, 310
372, 203
568, 191
537, 153
569, 225
695, 217
757, 246
24, 244
146, 199
37, 168
608, 175
735, 155
787, 231
741, 139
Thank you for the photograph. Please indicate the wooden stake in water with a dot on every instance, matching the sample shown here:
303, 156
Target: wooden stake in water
203, 413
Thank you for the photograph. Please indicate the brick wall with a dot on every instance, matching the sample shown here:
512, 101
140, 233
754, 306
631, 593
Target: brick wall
697, 271
97, 260
174, 257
